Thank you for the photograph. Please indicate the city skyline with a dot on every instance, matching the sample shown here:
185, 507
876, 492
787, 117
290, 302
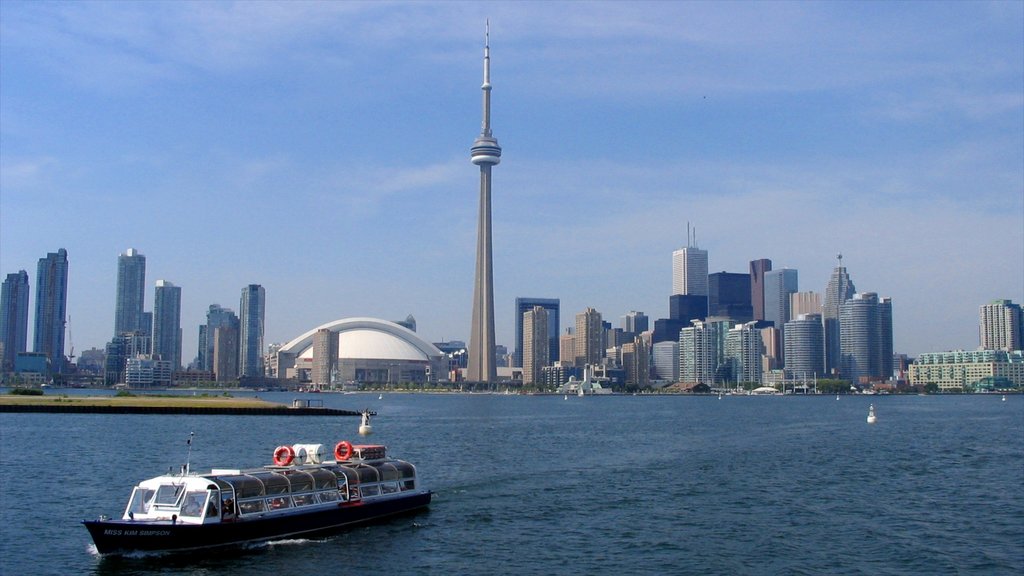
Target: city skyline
200, 131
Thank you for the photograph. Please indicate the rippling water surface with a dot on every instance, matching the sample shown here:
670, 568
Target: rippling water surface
539, 484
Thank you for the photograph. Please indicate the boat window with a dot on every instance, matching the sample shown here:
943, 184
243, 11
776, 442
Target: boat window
273, 483
388, 472
193, 505
324, 479
405, 469
368, 474
372, 490
389, 487
328, 496
408, 484
251, 506
303, 499
346, 475
245, 486
301, 482
141, 499
279, 503
168, 494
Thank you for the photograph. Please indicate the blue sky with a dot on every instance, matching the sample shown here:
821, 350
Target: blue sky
322, 150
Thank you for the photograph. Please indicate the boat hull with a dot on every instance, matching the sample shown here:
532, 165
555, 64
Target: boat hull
126, 536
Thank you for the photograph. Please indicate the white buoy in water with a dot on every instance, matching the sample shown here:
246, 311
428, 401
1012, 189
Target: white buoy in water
871, 414
837, 396
566, 397
364, 426
380, 397
1004, 397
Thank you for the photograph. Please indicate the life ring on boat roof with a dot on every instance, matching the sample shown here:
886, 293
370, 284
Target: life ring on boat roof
283, 455
343, 450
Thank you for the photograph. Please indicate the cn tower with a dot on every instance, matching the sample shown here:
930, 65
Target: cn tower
485, 153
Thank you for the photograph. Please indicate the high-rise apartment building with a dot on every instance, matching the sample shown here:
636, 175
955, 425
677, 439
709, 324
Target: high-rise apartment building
636, 361
225, 353
251, 311
167, 323
758, 268
690, 271
567, 348
51, 308
524, 305
536, 344
666, 360
866, 338
743, 353
589, 338
702, 352
729, 296
325, 356
216, 317
1001, 326
839, 289
805, 347
131, 293
13, 319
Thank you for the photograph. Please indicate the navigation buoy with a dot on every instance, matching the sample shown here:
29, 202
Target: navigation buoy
1004, 397
364, 425
871, 414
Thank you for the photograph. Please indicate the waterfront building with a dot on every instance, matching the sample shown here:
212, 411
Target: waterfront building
554, 376
51, 308
119, 350
839, 289
778, 286
216, 317
743, 352
634, 322
371, 351
536, 344
131, 293
805, 347
866, 338
973, 370
589, 341
666, 360
567, 348
729, 296
251, 310
325, 356
225, 353
167, 323
804, 303
13, 319
1001, 325
758, 268
524, 305
690, 271
636, 363
143, 371
486, 154
702, 352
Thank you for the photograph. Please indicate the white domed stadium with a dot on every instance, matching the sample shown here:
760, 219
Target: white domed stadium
364, 350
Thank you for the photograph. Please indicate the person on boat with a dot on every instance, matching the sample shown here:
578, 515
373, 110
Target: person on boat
228, 509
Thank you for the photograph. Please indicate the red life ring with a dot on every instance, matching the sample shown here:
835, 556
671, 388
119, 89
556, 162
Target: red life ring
283, 455
343, 450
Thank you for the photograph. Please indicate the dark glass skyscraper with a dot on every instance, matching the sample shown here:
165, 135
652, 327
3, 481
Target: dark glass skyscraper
131, 294
13, 318
758, 268
524, 305
729, 296
51, 308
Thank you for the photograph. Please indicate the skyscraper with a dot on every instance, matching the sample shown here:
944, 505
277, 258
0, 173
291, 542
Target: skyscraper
758, 268
524, 305
216, 317
743, 352
865, 324
729, 296
589, 341
804, 303
690, 271
702, 352
51, 308
1000, 325
840, 289
13, 318
131, 293
167, 323
635, 323
250, 339
778, 286
485, 153
325, 356
805, 347
536, 344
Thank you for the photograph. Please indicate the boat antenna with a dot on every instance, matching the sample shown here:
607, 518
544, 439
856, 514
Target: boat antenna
188, 457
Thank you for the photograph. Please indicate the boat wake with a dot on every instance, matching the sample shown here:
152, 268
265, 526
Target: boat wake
284, 542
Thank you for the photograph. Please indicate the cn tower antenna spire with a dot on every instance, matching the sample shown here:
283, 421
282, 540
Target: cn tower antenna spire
486, 154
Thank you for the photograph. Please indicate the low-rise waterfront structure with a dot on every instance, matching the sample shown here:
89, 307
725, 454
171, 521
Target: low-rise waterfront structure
969, 370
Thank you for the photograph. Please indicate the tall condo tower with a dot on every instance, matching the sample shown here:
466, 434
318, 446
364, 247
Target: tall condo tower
485, 153
51, 308
252, 311
167, 323
13, 319
131, 293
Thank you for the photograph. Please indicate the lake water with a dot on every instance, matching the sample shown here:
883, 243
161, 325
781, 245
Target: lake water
544, 485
